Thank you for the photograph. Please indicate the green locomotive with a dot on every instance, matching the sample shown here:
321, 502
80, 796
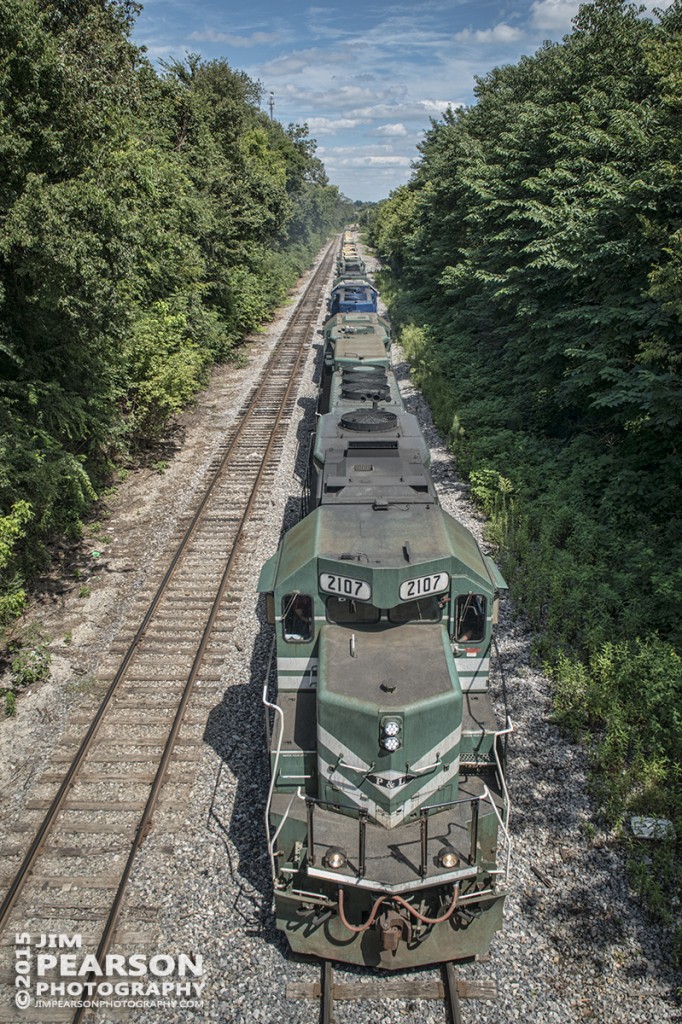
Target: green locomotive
388, 811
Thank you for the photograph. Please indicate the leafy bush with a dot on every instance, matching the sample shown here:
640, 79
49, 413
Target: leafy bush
536, 270
12, 596
28, 662
147, 222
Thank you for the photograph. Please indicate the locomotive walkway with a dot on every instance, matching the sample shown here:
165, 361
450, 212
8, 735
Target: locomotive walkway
134, 757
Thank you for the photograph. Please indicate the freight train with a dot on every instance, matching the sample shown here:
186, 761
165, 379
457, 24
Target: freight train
388, 812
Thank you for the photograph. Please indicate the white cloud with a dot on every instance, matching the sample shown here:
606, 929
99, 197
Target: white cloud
352, 100
501, 33
371, 161
416, 110
556, 16
255, 39
335, 150
331, 125
553, 15
301, 60
439, 106
394, 130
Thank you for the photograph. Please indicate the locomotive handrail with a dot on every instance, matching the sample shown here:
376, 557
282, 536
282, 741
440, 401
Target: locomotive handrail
425, 771
294, 795
488, 796
354, 767
503, 782
273, 779
507, 802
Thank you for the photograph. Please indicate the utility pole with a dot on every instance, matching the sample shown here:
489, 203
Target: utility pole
271, 105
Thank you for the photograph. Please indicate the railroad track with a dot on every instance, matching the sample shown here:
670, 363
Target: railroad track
448, 989
73, 877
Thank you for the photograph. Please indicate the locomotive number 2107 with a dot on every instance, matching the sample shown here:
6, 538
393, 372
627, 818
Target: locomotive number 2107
344, 586
423, 585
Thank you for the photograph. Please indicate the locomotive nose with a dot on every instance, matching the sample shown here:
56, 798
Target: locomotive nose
391, 743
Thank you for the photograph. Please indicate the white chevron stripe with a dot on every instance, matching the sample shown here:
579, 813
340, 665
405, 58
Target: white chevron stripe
474, 684
379, 814
337, 749
297, 673
442, 748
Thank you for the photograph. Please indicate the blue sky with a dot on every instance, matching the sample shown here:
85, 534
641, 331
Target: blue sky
365, 76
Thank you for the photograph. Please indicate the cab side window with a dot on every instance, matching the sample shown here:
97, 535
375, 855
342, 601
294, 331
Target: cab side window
297, 618
470, 615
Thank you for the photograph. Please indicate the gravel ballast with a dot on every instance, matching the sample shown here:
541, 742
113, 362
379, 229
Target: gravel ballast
575, 945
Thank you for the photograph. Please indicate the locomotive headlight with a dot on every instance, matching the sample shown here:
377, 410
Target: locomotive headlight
336, 858
390, 735
447, 858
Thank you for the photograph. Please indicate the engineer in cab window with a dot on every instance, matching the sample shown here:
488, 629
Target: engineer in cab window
470, 612
298, 618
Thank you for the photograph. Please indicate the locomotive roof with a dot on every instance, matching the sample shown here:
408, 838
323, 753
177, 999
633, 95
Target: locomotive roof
397, 536
358, 323
340, 399
360, 347
333, 441
353, 284
352, 317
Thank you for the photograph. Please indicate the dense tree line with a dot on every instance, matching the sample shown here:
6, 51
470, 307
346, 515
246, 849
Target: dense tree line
148, 219
537, 252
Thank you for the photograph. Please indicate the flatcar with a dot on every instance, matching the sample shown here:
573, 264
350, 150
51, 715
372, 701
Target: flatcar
387, 815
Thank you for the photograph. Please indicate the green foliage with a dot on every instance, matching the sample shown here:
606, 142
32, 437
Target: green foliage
27, 662
537, 262
167, 368
12, 595
148, 221
29, 659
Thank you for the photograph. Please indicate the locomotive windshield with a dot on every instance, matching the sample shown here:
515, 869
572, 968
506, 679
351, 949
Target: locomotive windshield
345, 611
342, 610
425, 609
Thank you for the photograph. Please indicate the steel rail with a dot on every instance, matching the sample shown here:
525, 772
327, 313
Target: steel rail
327, 993
447, 990
57, 803
451, 993
146, 819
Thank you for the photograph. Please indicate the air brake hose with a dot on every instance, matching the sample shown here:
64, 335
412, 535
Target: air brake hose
397, 899
368, 923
